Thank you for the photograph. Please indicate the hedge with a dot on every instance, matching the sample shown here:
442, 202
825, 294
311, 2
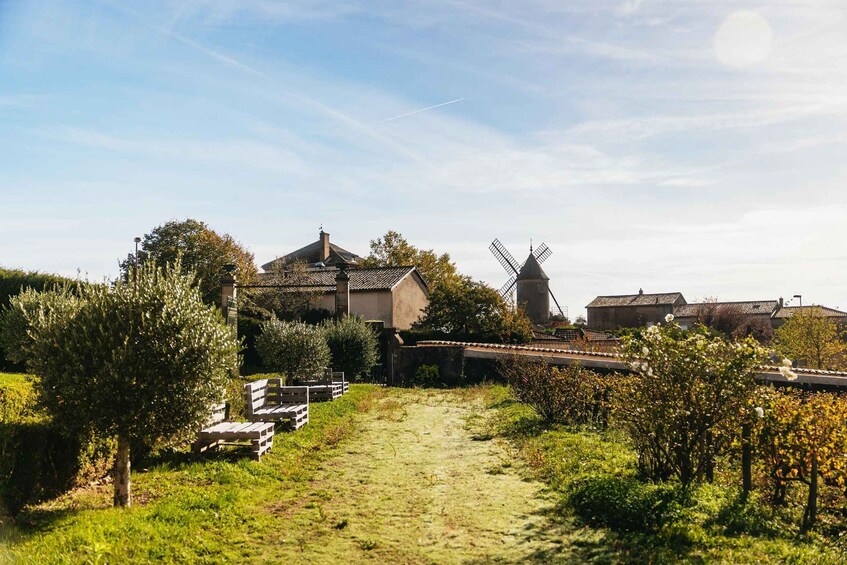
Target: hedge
37, 460
12, 281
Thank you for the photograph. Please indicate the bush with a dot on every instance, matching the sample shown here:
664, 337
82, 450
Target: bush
623, 503
296, 349
352, 345
16, 320
568, 395
427, 376
12, 282
37, 458
689, 395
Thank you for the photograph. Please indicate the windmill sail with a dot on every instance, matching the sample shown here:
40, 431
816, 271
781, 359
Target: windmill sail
504, 257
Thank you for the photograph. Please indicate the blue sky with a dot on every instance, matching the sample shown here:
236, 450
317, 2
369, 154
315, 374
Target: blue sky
671, 145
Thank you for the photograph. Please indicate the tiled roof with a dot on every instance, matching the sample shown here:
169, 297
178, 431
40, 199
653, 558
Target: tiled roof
750, 307
376, 278
788, 311
667, 298
312, 254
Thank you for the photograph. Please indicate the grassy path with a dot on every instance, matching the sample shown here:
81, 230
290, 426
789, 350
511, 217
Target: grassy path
414, 486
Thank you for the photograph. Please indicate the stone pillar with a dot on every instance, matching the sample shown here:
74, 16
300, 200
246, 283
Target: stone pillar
228, 294
342, 294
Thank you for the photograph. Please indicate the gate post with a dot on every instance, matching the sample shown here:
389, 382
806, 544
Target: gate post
228, 295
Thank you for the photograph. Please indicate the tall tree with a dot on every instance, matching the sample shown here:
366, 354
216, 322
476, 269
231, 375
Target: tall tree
392, 249
143, 361
471, 309
809, 336
203, 252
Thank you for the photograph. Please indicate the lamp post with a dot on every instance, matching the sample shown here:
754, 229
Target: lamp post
135, 277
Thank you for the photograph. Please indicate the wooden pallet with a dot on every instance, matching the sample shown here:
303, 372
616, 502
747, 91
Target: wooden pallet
259, 434
267, 400
338, 379
323, 393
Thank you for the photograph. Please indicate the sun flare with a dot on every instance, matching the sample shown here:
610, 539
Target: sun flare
744, 39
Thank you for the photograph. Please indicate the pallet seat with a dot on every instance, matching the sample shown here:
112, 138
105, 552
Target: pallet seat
267, 400
217, 432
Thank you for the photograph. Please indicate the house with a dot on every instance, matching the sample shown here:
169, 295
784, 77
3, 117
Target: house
396, 296
782, 314
687, 315
631, 310
319, 252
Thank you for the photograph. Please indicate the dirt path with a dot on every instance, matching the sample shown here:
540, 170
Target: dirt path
413, 486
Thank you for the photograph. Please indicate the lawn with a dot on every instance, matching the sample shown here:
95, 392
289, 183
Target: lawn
187, 510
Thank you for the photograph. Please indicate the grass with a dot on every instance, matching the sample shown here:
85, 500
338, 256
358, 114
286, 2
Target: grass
593, 473
188, 510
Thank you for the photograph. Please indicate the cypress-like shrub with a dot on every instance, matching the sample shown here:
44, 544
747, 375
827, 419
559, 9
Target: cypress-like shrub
352, 345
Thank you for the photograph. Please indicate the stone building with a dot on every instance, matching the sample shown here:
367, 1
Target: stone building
533, 287
687, 315
784, 313
631, 310
396, 296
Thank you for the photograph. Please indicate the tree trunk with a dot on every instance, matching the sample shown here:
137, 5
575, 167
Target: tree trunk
811, 514
746, 461
123, 497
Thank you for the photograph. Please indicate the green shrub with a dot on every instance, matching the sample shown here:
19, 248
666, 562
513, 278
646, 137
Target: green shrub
12, 282
37, 459
16, 319
352, 345
684, 406
427, 376
293, 348
567, 395
17, 398
623, 503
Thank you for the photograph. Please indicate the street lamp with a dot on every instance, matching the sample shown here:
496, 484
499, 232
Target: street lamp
801, 299
135, 278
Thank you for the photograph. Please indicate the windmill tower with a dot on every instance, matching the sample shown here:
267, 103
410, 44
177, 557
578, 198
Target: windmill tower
534, 290
532, 282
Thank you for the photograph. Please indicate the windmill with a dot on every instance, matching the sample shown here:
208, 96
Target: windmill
513, 268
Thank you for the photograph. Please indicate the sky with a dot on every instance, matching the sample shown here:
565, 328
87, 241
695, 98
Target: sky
677, 145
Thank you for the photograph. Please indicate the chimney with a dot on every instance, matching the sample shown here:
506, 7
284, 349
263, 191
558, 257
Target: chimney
640, 291
324, 246
780, 302
342, 293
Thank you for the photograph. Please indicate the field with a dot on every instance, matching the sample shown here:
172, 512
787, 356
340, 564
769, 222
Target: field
416, 476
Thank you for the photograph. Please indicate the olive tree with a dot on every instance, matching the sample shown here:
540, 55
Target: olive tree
143, 360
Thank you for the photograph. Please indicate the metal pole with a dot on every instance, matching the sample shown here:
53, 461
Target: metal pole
135, 278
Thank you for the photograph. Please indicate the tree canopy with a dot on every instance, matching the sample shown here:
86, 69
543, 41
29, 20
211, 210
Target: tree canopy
810, 337
464, 307
392, 249
203, 252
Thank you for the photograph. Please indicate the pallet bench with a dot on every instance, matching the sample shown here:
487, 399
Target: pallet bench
321, 388
217, 432
267, 400
338, 378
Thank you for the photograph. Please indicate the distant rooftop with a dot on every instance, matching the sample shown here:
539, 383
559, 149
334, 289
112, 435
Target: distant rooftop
788, 311
640, 299
748, 307
375, 278
320, 251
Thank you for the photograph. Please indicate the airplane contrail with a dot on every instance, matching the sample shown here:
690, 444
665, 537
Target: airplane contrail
421, 110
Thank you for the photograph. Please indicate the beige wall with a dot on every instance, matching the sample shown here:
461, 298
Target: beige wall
410, 299
375, 305
398, 309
